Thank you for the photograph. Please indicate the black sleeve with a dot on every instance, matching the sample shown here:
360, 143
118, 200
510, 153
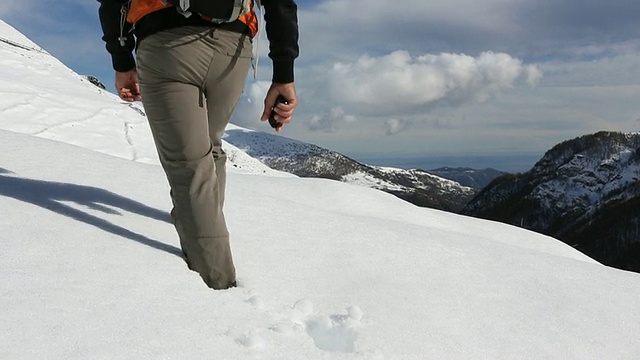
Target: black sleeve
110, 19
281, 18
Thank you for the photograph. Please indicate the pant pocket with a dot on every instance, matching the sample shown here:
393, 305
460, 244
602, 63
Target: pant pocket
235, 44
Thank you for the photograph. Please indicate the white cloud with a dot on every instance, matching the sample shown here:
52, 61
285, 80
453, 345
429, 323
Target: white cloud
533, 74
397, 83
331, 121
251, 105
395, 126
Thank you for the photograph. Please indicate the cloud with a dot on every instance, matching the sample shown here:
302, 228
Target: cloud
528, 29
616, 70
578, 18
533, 74
448, 71
395, 126
331, 121
398, 84
251, 105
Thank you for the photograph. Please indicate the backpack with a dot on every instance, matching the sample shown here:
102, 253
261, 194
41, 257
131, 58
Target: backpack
216, 11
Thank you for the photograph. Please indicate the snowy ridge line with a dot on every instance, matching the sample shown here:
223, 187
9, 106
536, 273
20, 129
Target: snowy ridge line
473, 289
24, 47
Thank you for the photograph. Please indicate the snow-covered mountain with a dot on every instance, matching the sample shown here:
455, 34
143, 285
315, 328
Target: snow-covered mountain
42, 97
475, 178
89, 265
306, 160
585, 191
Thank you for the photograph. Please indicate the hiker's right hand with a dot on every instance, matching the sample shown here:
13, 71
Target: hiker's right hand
127, 86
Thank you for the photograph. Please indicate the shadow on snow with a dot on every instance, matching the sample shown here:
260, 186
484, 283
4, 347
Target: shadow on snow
48, 195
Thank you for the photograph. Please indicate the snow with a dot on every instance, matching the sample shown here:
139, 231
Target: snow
587, 182
11, 36
360, 178
260, 144
445, 184
89, 265
38, 92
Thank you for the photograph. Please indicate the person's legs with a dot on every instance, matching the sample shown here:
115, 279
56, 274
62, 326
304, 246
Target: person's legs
173, 67
223, 88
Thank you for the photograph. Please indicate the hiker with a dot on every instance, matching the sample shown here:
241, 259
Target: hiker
189, 71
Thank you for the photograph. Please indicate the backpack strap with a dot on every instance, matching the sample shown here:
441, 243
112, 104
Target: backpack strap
183, 7
256, 57
239, 7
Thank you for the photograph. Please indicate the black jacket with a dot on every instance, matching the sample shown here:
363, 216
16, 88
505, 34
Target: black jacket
281, 26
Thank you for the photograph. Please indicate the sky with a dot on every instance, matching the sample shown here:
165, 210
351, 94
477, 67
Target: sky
402, 79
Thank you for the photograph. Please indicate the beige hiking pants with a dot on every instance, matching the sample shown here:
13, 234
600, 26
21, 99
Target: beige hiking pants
191, 79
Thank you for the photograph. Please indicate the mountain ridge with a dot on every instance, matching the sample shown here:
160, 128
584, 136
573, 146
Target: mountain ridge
578, 192
307, 160
466, 176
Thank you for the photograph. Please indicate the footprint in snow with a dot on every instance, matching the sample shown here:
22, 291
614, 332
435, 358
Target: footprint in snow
249, 338
255, 299
337, 332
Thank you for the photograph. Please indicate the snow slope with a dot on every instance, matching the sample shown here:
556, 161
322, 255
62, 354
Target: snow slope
89, 266
327, 271
42, 97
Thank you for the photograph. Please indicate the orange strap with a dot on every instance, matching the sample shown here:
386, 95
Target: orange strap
251, 20
140, 8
